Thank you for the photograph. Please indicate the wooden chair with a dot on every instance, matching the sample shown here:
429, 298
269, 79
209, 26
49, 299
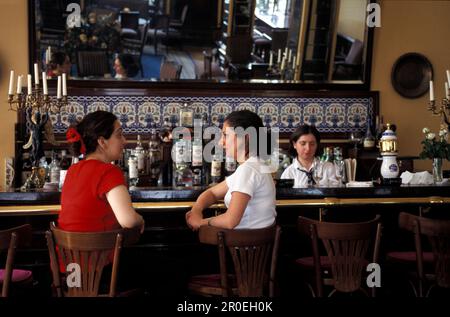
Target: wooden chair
135, 47
91, 252
92, 63
254, 256
9, 240
347, 246
437, 233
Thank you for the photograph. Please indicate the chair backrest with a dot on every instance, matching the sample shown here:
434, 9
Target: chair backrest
438, 233
89, 252
129, 20
92, 63
10, 239
254, 254
170, 70
347, 246
135, 46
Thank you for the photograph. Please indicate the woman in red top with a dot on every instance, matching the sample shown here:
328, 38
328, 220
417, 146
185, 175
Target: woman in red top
94, 195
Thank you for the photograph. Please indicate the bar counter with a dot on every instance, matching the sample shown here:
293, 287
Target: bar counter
151, 198
168, 248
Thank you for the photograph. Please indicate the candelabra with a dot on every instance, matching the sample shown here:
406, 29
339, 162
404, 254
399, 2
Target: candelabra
443, 111
36, 105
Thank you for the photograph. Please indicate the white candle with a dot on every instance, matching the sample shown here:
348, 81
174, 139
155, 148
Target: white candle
270, 59
448, 77
431, 91
64, 84
29, 84
49, 49
293, 62
279, 56
447, 94
11, 82
58, 88
44, 83
286, 52
36, 74
19, 84
290, 56
283, 63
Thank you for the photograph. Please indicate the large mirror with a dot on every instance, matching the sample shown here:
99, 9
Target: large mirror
305, 41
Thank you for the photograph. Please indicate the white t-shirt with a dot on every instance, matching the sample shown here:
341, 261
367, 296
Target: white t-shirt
254, 178
297, 172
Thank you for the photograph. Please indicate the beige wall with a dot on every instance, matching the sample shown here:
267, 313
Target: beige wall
13, 55
411, 26
407, 26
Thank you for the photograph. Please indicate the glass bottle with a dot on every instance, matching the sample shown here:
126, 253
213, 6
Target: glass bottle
154, 155
216, 168
55, 169
369, 139
133, 172
186, 116
139, 152
197, 161
339, 165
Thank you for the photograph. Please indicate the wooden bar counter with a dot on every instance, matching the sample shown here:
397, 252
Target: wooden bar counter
168, 246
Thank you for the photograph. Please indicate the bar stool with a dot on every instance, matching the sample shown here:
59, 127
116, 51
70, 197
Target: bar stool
91, 252
347, 246
254, 256
11, 239
437, 232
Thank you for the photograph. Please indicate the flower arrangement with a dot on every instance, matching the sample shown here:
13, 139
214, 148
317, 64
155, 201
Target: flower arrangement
435, 146
92, 35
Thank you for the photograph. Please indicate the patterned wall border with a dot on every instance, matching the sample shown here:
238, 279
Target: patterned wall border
137, 113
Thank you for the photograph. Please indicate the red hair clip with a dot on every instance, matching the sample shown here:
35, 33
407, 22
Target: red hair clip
73, 136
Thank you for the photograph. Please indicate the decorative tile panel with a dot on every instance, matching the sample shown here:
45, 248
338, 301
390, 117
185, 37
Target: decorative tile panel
138, 113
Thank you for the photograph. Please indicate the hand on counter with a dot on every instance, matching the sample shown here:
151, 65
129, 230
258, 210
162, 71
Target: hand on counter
194, 220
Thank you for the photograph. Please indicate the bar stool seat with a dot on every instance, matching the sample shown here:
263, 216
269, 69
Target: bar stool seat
308, 262
409, 257
17, 276
211, 284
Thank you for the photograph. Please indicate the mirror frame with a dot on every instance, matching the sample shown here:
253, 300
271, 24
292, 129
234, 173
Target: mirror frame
232, 85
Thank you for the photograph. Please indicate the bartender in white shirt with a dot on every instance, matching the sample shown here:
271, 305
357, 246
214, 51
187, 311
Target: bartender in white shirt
307, 170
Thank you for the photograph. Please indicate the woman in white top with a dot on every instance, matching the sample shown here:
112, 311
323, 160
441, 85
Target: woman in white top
249, 193
306, 169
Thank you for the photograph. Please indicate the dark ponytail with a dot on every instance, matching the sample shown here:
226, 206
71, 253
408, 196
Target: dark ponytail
93, 126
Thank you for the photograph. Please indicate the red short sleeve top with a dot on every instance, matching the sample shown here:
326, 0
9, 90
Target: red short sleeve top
84, 207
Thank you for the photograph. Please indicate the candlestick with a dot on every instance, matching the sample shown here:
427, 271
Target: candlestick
19, 84
279, 56
11, 83
270, 59
44, 83
58, 89
36, 74
64, 84
431, 91
30, 90
448, 77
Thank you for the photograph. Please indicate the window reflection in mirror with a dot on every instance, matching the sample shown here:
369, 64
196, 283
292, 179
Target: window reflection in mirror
308, 40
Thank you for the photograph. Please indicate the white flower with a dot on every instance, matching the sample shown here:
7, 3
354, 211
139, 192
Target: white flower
442, 132
430, 136
426, 130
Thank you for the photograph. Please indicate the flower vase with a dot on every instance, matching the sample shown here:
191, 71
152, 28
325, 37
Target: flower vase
437, 170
